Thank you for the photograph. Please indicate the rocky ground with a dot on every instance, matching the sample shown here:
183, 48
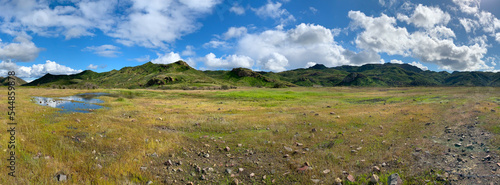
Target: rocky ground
461, 155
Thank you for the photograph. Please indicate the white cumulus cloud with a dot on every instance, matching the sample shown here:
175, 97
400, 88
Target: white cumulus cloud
426, 17
37, 70
104, 50
274, 11
419, 65
22, 49
167, 58
432, 46
227, 62
92, 66
237, 9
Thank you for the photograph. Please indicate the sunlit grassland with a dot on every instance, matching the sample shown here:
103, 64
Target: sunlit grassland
109, 146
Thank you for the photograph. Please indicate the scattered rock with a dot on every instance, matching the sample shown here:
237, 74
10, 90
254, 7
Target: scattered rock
227, 149
418, 149
332, 113
202, 177
314, 130
299, 144
470, 146
302, 169
376, 169
487, 158
240, 170
458, 144
288, 148
143, 168
229, 171
374, 179
326, 171
61, 177
286, 156
168, 163
159, 119
394, 179
206, 155
351, 178
338, 181
239, 145
235, 182
315, 181
383, 165
78, 120
252, 175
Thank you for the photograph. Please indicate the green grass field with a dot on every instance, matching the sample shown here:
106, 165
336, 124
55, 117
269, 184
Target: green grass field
270, 133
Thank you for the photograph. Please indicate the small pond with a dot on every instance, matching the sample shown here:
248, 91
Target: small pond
83, 103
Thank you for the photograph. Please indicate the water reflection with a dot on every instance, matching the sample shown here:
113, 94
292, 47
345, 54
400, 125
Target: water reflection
83, 103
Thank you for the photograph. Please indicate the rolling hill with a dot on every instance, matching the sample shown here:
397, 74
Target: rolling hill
180, 75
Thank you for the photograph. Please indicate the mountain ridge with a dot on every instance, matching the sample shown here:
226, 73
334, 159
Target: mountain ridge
180, 75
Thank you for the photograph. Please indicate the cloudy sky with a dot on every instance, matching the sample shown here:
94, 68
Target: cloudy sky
69, 36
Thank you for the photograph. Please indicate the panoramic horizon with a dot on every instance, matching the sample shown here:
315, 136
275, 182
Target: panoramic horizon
68, 37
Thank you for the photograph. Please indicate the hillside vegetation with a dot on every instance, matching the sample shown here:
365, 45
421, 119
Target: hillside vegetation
180, 75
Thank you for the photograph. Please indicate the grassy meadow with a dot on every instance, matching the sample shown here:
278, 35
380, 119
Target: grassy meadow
269, 133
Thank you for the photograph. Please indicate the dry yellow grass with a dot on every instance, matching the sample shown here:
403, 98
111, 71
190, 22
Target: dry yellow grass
109, 146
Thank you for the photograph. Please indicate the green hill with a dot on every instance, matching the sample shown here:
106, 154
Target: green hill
181, 75
18, 81
176, 75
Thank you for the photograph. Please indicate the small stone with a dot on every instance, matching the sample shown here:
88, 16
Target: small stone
229, 171
383, 165
264, 177
235, 182
206, 155
61, 177
314, 130
159, 118
394, 179
315, 181
302, 169
418, 149
487, 158
374, 179
78, 120
288, 148
240, 170
168, 163
332, 113
351, 178
469, 146
286, 156
458, 144
227, 149
143, 168
239, 145
252, 174
326, 171
149, 182
338, 180
202, 177
299, 144
376, 169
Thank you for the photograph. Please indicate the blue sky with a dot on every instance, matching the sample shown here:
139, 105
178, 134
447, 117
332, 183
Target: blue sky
69, 36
